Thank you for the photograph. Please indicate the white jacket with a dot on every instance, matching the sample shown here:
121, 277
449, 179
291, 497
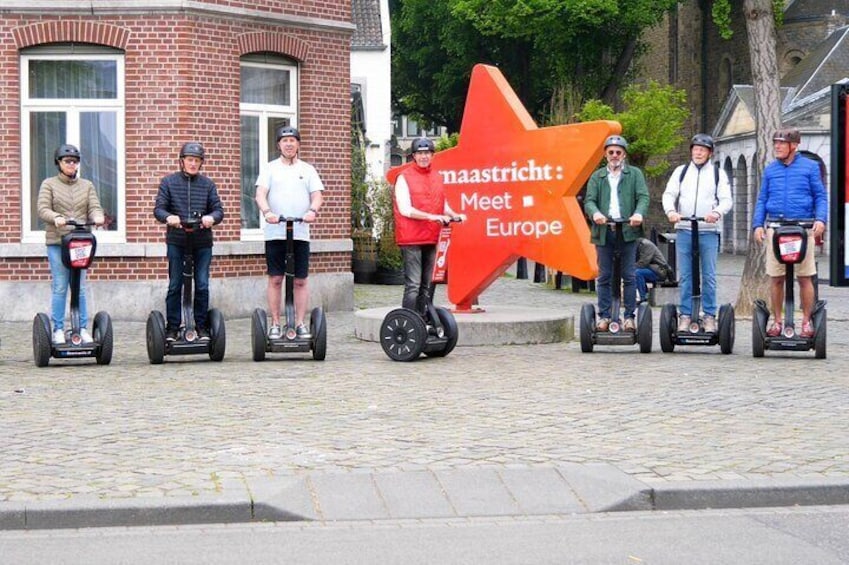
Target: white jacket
697, 194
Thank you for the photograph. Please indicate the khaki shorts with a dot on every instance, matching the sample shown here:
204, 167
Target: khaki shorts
807, 268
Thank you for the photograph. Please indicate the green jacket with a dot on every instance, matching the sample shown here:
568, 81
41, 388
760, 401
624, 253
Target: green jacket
633, 198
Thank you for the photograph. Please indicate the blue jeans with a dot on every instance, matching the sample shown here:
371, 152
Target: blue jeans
605, 274
708, 250
59, 289
418, 273
173, 300
644, 275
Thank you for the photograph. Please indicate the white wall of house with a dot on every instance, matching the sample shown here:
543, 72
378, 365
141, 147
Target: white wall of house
371, 69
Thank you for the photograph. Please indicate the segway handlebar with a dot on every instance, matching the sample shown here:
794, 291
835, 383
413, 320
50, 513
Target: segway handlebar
806, 223
613, 222
192, 223
284, 219
78, 224
451, 220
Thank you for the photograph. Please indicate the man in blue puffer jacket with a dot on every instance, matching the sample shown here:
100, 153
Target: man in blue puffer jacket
792, 188
182, 196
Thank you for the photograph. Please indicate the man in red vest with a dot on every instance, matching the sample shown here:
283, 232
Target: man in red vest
420, 211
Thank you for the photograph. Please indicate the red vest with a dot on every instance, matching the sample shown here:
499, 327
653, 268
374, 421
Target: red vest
426, 194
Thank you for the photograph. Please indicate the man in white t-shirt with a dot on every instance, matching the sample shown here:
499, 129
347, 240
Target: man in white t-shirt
288, 187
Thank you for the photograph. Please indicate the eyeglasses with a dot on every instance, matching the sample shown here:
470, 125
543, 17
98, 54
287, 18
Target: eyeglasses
70, 162
613, 152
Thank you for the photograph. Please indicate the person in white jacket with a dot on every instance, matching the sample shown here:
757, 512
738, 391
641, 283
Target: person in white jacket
697, 189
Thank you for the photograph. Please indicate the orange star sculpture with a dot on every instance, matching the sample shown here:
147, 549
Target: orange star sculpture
518, 185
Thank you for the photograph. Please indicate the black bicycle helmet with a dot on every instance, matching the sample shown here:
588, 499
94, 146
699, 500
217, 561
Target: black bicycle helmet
617, 140
66, 150
702, 139
193, 149
288, 131
422, 144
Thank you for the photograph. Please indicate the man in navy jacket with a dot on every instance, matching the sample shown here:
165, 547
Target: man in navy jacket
184, 195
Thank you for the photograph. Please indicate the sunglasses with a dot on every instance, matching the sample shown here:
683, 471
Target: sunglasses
70, 162
615, 152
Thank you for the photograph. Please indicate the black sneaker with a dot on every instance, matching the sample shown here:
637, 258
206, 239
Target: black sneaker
203, 335
171, 335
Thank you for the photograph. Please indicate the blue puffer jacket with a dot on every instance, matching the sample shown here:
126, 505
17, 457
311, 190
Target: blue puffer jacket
793, 191
175, 192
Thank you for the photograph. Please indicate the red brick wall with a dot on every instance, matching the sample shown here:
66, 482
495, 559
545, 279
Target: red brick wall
182, 83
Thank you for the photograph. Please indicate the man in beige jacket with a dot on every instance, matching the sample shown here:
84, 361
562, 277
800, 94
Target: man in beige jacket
60, 198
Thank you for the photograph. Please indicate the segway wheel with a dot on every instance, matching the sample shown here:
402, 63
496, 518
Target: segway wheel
820, 329
155, 334
217, 334
103, 336
644, 328
668, 324
452, 333
403, 335
587, 327
318, 327
258, 334
41, 340
759, 319
726, 328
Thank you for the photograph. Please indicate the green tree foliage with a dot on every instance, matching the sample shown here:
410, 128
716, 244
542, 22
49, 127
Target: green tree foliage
652, 121
539, 45
721, 14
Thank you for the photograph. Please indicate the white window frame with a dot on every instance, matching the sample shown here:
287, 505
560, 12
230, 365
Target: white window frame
72, 108
266, 113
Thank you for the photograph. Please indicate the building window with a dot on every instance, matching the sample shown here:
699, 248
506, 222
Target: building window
268, 100
73, 94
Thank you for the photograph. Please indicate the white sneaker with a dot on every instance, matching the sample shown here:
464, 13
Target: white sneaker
86, 337
59, 337
275, 332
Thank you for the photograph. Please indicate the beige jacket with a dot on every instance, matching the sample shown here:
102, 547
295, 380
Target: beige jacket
74, 199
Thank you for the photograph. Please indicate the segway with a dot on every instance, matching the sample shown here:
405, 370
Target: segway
789, 244
615, 335
696, 334
188, 340
78, 251
405, 334
289, 342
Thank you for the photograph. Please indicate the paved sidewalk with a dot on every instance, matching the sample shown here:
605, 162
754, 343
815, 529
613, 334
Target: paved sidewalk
508, 430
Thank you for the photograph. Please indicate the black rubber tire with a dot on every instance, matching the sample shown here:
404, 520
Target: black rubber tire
587, 328
759, 320
644, 328
821, 329
217, 334
155, 335
318, 327
102, 334
727, 329
452, 333
42, 340
668, 325
258, 334
403, 335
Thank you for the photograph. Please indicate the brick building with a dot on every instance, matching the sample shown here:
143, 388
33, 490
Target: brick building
129, 82
687, 52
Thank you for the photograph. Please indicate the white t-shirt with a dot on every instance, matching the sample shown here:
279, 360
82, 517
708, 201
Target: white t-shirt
289, 190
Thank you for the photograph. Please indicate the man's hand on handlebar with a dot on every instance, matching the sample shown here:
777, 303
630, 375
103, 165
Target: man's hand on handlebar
207, 221
173, 220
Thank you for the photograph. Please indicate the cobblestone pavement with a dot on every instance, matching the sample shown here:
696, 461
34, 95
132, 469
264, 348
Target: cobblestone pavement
191, 426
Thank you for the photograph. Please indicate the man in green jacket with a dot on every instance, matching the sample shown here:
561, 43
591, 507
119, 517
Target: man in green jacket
617, 190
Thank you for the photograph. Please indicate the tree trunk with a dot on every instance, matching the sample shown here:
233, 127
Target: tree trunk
623, 63
760, 26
